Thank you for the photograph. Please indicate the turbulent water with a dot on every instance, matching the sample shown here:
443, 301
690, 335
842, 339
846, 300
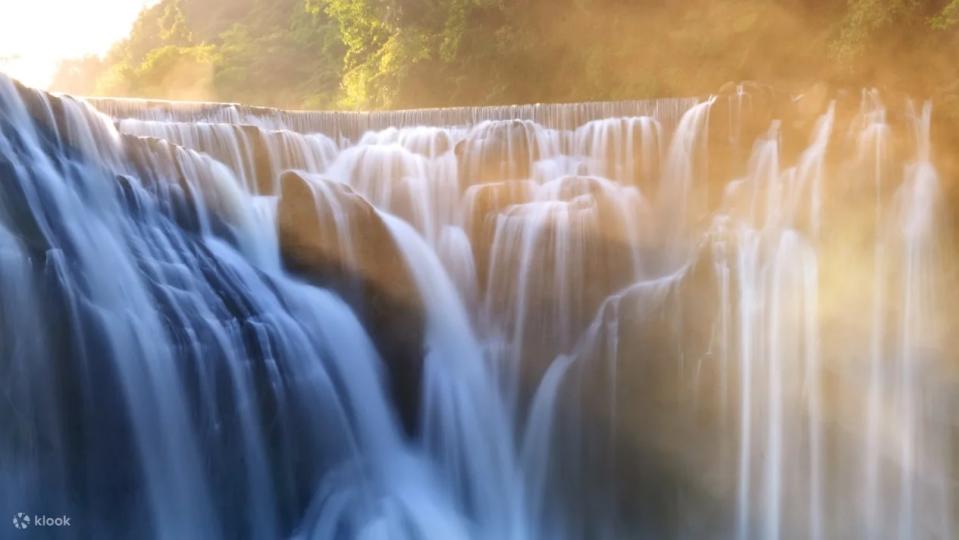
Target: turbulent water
724, 317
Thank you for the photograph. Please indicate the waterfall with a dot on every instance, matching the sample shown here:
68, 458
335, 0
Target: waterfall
721, 317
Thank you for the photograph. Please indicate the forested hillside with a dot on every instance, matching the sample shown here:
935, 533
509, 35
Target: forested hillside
414, 53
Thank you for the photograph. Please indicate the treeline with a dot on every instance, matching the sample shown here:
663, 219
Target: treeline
416, 53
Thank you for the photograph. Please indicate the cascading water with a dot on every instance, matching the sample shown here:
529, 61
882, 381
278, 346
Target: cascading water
709, 318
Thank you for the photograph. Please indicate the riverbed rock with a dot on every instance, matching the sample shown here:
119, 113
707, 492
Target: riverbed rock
334, 237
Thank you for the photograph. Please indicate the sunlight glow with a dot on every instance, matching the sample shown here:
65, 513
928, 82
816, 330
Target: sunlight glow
37, 34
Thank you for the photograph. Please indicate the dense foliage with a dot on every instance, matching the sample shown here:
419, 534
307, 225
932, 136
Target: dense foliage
404, 53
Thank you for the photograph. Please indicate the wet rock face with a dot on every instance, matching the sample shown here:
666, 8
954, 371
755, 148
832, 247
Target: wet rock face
626, 150
504, 150
335, 238
483, 202
572, 241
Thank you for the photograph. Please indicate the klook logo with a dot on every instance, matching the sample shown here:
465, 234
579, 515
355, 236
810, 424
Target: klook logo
21, 520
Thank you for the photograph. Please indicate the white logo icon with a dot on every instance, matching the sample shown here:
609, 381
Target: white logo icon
21, 520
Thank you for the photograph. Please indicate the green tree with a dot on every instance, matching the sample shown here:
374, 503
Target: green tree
414, 53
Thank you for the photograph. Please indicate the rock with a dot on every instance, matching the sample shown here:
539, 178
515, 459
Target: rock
334, 237
498, 150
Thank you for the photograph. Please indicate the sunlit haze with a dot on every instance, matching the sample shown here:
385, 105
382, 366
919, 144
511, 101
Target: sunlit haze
479, 269
36, 34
